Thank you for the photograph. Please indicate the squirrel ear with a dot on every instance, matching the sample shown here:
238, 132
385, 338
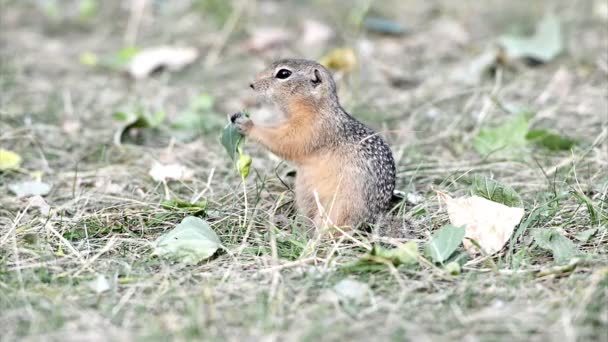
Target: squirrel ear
317, 78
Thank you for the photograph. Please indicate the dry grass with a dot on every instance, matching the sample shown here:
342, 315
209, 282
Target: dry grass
274, 284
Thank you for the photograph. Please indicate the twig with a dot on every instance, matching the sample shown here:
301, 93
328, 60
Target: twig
289, 265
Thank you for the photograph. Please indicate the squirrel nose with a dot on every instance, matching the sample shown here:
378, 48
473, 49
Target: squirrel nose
251, 86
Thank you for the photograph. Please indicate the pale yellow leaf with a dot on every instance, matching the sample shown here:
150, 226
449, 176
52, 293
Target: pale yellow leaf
489, 223
161, 173
151, 59
9, 160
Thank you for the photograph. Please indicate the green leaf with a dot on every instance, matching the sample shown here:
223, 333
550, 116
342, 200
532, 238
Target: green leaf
231, 140
585, 235
140, 118
190, 242
136, 119
88, 59
494, 191
121, 58
453, 268
29, 188
9, 160
87, 8
594, 215
405, 254
196, 209
121, 116
544, 45
506, 138
444, 242
550, 140
561, 247
203, 102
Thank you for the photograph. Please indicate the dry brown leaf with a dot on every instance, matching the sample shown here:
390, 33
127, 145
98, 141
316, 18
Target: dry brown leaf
162, 173
267, 37
151, 59
489, 223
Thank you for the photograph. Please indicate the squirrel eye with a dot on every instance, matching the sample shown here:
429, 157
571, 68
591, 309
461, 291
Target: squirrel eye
283, 74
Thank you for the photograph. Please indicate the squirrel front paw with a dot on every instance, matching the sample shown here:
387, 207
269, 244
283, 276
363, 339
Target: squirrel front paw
242, 123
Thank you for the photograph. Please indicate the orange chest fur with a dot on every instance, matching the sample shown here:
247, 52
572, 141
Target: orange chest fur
324, 175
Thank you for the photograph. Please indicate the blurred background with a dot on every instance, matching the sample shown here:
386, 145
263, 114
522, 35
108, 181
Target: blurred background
71, 61
94, 95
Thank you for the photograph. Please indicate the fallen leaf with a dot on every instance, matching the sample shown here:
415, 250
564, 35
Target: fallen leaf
340, 59
161, 173
444, 242
543, 46
472, 72
100, 284
71, 127
550, 140
29, 188
585, 235
507, 138
190, 242
117, 61
561, 247
452, 32
413, 198
38, 202
488, 223
266, 37
350, 290
494, 191
132, 121
195, 209
383, 26
404, 254
172, 58
107, 186
9, 160
315, 33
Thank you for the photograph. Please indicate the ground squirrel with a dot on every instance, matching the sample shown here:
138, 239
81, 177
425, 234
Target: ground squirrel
345, 173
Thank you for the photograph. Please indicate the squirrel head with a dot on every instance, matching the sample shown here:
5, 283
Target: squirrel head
301, 80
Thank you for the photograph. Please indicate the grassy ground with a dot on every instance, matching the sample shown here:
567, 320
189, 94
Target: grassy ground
57, 114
